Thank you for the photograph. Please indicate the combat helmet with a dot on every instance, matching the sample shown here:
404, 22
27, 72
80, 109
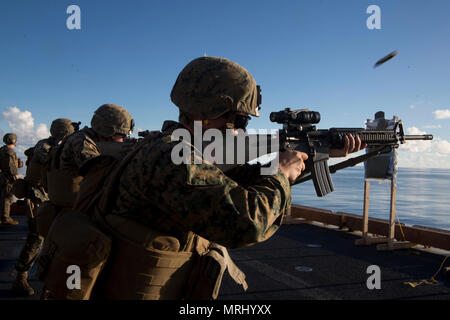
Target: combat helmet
209, 87
10, 138
111, 119
61, 128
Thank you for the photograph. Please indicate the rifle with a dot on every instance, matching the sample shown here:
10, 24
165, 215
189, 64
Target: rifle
146, 133
299, 133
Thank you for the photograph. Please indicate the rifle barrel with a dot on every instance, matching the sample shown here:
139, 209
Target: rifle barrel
419, 137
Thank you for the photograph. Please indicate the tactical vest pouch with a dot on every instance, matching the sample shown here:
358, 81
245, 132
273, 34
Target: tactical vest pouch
144, 264
62, 187
206, 278
117, 150
95, 171
45, 216
73, 240
19, 163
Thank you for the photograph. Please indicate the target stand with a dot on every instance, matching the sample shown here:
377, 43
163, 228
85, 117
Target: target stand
383, 243
382, 167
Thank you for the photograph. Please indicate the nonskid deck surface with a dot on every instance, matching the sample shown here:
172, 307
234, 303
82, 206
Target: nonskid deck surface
301, 261
306, 261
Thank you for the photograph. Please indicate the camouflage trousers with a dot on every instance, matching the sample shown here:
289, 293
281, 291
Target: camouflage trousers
5, 207
6, 199
32, 245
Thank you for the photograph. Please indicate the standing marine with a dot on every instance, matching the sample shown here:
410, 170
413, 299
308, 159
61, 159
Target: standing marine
110, 124
9, 163
165, 216
32, 188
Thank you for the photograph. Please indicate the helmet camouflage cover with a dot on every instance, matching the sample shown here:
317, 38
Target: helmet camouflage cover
10, 138
111, 119
61, 128
209, 87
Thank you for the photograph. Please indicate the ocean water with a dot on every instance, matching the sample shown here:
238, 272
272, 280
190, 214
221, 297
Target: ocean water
423, 196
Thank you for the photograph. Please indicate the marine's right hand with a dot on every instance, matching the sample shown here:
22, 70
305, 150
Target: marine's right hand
292, 163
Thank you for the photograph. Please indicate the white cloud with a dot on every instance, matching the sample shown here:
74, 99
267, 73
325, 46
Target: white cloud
22, 124
432, 126
437, 145
414, 131
42, 131
423, 160
441, 146
424, 154
442, 114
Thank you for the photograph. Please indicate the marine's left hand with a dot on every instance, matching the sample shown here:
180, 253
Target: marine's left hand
351, 145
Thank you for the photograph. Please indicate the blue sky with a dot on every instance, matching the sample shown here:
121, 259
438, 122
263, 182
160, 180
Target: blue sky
305, 53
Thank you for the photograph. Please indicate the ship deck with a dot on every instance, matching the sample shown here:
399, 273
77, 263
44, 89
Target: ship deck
311, 262
302, 261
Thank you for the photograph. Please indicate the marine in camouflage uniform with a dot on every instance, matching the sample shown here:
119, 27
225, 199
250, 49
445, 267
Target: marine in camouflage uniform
9, 163
78, 149
231, 209
234, 209
110, 123
35, 195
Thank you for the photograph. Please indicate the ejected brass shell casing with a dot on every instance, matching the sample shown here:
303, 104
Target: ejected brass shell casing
386, 58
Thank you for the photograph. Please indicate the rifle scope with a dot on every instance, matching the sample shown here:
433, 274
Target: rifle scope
295, 117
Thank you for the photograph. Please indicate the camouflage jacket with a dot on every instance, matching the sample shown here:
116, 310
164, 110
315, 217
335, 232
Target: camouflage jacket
40, 153
79, 148
42, 149
8, 162
176, 199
